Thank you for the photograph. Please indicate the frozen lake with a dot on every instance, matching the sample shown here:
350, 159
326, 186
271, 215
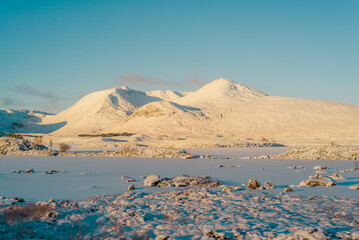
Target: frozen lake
106, 172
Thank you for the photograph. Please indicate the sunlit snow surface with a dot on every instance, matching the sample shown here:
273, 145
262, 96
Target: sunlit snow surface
87, 177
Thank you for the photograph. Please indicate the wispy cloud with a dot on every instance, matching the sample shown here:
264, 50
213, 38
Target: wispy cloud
52, 99
11, 102
134, 79
196, 80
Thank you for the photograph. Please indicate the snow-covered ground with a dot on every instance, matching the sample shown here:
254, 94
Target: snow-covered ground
87, 177
158, 213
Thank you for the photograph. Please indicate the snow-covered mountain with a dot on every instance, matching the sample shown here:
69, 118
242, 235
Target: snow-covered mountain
221, 108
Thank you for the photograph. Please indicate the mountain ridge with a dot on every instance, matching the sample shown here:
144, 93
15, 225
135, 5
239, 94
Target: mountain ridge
220, 108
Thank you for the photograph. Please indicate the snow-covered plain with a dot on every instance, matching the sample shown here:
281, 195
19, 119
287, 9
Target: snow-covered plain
177, 213
87, 177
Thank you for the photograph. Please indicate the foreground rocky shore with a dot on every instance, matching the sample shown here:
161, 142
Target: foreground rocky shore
319, 153
191, 213
22, 147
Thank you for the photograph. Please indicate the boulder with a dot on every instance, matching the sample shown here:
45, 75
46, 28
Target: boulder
131, 187
152, 180
337, 176
288, 189
164, 183
317, 181
180, 184
320, 167
253, 184
268, 185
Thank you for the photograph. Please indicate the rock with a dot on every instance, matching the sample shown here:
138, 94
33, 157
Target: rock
207, 156
12, 172
230, 166
42, 204
201, 156
52, 201
51, 214
44, 172
337, 176
320, 167
143, 176
292, 167
131, 180
180, 184
20, 200
288, 189
131, 187
354, 187
317, 181
29, 170
124, 177
164, 183
253, 184
52, 171
227, 189
238, 188
268, 185
220, 166
19, 171
187, 157
152, 180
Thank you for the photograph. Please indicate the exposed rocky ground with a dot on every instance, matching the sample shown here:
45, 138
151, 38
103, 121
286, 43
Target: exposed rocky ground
18, 146
318, 153
191, 213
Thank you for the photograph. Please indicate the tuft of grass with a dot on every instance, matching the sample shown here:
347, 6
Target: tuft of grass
64, 147
25, 213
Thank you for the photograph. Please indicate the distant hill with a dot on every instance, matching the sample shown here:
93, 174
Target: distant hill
220, 109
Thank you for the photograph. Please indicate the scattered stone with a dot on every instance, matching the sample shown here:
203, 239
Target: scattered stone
43, 204
238, 188
12, 171
131, 187
337, 176
180, 184
83, 173
51, 214
44, 172
164, 183
288, 189
292, 167
29, 170
152, 180
317, 181
53, 171
354, 187
124, 177
19, 171
301, 167
131, 180
253, 184
220, 166
187, 156
320, 167
227, 189
268, 185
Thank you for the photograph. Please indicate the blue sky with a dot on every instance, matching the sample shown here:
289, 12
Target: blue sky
54, 52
